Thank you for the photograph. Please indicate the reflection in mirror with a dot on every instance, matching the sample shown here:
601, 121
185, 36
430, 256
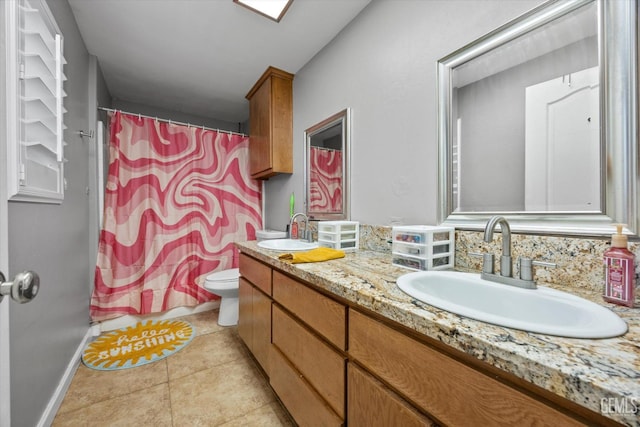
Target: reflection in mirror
524, 124
326, 168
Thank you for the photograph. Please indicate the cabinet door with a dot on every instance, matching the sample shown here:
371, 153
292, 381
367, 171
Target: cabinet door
261, 328
245, 312
372, 404
260, 134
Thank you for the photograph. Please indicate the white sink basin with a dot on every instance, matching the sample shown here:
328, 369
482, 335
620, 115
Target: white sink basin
287, 245
542, 310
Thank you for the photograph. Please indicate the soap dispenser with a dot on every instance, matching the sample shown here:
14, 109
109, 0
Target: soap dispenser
619, 271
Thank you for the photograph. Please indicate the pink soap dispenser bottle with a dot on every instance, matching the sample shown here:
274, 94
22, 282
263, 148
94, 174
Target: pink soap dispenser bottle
619, 271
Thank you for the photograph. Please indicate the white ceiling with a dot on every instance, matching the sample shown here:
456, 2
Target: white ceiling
202, 56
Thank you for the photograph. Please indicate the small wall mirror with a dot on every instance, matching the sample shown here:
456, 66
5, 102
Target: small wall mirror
538, 122
327, 168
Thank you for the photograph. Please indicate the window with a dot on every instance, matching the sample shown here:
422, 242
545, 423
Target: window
35, 127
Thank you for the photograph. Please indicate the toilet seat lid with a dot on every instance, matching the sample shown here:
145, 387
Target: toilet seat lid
231, 275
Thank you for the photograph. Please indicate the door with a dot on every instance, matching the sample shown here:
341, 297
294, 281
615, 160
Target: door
562, 144
5, 395
29, 287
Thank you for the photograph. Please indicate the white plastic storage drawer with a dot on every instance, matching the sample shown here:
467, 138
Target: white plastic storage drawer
342, 235
423, 247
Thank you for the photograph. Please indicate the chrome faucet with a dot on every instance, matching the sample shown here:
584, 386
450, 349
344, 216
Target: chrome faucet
525, 265
300, 235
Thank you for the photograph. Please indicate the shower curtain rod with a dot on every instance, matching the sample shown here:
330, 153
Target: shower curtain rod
112, 110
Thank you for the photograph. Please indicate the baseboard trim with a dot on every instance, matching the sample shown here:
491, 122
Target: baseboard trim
51, 410
131, 320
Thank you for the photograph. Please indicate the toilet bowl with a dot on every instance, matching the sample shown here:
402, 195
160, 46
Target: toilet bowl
225, 285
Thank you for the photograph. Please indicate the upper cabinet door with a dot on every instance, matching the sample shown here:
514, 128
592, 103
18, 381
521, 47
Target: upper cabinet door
271, 123
34, 103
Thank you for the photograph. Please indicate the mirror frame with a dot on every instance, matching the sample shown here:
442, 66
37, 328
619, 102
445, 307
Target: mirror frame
344, 118
617, 45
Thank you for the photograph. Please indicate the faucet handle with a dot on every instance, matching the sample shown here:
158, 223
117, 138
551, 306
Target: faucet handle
487, 261
526, 267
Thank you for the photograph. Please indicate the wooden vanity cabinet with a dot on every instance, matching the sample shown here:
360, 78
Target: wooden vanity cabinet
332, 363
451, 392
271, 124
254, 311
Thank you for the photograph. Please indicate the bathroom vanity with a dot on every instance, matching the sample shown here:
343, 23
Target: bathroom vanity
342, 345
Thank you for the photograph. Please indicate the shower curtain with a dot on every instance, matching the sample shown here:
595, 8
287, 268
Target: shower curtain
325, 180
177, 198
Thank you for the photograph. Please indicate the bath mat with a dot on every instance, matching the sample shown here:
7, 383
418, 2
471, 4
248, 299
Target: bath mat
137, 345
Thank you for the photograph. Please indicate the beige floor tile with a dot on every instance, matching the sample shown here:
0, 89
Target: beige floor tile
148, 407
218, 395
210, 382
205, 322
90, 386
204, 352
269, 415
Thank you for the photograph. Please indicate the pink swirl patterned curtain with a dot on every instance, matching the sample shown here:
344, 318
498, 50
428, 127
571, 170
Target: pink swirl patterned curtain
177, 198
325, 180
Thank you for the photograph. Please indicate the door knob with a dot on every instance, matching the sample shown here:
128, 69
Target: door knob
23, 289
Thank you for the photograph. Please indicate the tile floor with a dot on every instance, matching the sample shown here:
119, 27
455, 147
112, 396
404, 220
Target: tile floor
211, 382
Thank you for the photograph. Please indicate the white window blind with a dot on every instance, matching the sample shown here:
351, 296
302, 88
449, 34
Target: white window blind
37, 98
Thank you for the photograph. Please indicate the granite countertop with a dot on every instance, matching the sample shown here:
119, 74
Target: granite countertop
581, 370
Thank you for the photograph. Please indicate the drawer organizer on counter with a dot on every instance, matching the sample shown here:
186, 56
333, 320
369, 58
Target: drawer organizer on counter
342, 235
423, 247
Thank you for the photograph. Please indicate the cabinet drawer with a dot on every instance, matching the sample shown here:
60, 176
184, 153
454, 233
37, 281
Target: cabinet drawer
261, 329
316, 310
303, 402
452, 392
322, 367
372, 404
256, 272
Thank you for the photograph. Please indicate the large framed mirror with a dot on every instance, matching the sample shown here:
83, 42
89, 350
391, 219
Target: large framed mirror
537, 121
327, 167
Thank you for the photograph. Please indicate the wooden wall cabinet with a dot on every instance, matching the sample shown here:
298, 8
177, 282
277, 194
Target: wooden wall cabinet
271, 124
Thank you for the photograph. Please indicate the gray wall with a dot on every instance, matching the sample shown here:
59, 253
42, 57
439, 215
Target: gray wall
53, 240
178, 116
383, 66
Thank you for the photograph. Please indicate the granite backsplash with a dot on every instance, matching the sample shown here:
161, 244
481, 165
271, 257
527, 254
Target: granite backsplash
578, 260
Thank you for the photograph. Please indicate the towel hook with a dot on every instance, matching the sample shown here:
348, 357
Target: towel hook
84, 134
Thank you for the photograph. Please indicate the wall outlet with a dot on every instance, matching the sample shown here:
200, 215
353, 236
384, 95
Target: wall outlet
396, 220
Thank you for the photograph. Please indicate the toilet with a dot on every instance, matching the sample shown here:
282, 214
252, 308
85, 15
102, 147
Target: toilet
225, 285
